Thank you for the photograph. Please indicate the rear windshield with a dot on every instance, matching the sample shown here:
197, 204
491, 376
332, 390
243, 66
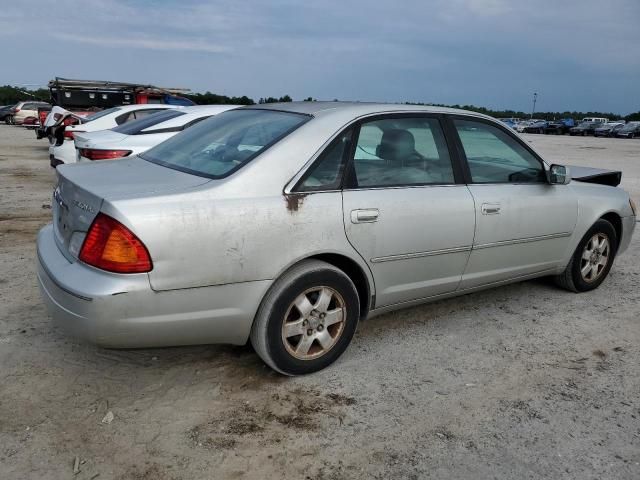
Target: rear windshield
137, 126
218, 146
100, 114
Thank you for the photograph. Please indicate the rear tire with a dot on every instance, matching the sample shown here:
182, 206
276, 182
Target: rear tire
592, 260
307, 319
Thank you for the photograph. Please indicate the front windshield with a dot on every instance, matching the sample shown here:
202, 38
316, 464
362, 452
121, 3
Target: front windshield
100, 114
218, 146
137, 126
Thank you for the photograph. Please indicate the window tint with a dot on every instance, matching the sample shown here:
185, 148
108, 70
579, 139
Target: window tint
495, 156
137, 126
146, 112
220, 145
326, 173
402, 151
124, 118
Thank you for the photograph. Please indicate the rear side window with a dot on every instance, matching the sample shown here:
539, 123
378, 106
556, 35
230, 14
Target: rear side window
402, 152
494, 156
101, 114
136, 127
327, 171
136, 114
218, 146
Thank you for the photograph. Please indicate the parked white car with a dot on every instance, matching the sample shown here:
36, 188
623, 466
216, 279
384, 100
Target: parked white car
63, 150
139, 136
22, 110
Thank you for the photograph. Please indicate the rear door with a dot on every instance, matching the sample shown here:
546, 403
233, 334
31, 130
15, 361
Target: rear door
523, 224
405, 208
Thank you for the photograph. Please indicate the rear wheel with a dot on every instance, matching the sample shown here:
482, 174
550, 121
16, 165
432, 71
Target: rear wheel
307, 319
592, 260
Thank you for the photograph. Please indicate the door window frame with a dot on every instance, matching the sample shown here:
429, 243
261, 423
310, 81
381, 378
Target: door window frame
458, 164
458, 146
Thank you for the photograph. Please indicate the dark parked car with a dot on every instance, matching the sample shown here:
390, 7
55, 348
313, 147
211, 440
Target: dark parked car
630, 130
608, 129
559, 127
536, 127
585, 128
5, 112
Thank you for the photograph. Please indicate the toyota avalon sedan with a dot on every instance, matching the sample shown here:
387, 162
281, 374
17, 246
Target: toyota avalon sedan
287, 224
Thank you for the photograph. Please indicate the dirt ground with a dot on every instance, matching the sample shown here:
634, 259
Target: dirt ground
524, 381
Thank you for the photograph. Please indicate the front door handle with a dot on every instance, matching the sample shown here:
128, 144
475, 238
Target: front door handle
490, 208
365, 215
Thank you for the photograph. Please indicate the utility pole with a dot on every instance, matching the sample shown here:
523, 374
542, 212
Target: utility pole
535, 97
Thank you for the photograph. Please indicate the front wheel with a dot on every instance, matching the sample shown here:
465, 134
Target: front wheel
592, 260
307, 319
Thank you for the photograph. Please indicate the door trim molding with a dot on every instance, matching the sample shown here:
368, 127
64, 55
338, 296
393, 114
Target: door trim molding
522, 240
407, 256
445, 251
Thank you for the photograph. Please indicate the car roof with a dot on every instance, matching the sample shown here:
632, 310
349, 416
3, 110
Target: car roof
358, 108
144, 106
213, 109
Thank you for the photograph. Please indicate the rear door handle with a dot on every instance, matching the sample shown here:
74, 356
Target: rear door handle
490, 208
366, 215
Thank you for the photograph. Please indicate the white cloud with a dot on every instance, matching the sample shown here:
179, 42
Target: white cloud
145, 42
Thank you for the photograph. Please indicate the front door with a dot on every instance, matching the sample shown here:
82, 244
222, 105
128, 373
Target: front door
523, 224
403, 210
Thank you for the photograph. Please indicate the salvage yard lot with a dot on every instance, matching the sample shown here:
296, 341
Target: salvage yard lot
524, 381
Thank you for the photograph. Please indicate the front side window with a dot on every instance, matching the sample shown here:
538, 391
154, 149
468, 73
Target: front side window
401, 152
494, 156
218, 146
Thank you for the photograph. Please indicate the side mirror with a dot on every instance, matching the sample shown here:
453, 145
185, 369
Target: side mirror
559, 175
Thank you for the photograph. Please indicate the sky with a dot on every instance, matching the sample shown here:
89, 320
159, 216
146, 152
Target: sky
575, 54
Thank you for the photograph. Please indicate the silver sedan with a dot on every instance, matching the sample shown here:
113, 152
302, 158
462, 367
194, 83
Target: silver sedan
287, 224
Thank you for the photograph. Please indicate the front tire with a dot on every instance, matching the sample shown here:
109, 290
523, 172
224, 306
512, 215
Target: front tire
592, 260
307, 319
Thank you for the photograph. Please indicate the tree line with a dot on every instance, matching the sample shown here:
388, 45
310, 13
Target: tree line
10, 95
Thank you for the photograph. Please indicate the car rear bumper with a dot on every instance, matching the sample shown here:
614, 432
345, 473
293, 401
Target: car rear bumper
122, 311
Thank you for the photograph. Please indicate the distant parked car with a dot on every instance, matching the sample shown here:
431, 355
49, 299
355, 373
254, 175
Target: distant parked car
559, 127
139, 136
585, 128
5, 112
511, 121
594, 120
22, 110
535, 127
525, 123
608, 129
630, 130
64, 151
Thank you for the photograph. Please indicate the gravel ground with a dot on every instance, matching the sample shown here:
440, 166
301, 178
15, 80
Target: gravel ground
524, 381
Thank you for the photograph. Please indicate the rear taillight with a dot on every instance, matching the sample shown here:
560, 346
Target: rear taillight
111, 246
15, 110
68, 134
96, 154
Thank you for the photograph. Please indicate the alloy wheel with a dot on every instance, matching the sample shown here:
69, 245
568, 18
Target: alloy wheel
595, 257
314, 323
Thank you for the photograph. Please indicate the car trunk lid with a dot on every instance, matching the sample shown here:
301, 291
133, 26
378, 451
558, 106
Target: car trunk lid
97, 139
83, 188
